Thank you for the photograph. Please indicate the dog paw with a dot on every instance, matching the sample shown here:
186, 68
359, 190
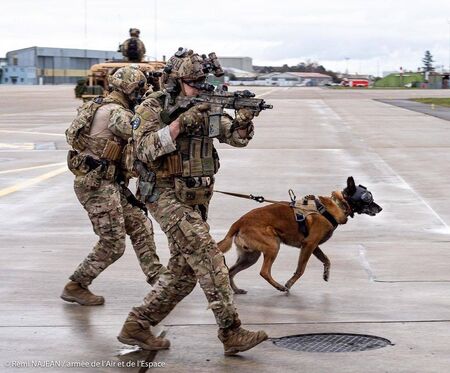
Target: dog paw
240, 291
283, 289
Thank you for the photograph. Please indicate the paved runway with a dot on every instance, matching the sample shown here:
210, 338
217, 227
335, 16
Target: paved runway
389, 277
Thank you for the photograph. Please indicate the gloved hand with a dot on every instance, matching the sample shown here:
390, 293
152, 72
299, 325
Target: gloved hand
193, 118
243, 118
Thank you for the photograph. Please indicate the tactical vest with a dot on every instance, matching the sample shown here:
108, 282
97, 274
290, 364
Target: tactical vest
133, 50
195, 157
198, 156
77, 135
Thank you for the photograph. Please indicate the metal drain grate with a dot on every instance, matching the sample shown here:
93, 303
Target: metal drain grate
331, 342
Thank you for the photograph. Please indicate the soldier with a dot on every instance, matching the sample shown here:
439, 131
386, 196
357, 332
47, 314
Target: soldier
184, 159
98, 135
133, 49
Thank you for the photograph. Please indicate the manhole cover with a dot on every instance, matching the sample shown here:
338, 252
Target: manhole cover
331, 342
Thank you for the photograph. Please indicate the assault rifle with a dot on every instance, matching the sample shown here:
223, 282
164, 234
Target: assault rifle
219, 100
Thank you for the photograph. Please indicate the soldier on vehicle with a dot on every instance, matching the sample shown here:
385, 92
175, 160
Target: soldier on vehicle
99, 135
182, 155
133, 49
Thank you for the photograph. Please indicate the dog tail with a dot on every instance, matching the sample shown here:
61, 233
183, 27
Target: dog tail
226, 243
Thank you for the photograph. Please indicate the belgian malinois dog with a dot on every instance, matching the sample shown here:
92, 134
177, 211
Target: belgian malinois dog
262, 230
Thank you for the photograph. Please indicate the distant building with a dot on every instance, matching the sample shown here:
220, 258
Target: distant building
294, 79
314, 79
241, 63
3, 62
355, 76
238, 74
38, 65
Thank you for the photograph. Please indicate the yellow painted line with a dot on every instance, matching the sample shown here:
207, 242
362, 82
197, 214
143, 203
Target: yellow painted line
31, 168
25, 145
35, 133
30, 182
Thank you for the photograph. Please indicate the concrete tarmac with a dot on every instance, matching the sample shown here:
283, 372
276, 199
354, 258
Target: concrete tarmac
389, 274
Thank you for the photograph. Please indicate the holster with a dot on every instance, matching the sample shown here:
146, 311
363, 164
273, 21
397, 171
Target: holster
146, 192
93, 170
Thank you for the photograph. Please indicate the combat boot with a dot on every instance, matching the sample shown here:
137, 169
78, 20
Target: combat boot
136, 332
239, 339
75, 292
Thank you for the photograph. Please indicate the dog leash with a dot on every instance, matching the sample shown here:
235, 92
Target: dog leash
259, 199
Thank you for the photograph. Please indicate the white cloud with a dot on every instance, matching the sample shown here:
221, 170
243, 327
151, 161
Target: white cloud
375, 35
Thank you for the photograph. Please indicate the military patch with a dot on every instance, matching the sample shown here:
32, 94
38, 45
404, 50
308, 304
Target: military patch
136, 122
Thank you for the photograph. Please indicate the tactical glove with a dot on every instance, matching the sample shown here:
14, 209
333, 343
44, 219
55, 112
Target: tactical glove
243, 118
193, 118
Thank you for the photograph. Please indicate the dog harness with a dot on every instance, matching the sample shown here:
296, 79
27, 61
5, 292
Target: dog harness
307, 206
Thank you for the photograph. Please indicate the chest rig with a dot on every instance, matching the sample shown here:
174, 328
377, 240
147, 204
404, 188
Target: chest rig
195, 156
198, 156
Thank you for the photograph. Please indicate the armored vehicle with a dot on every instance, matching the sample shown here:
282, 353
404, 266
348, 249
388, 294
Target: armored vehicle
96, 83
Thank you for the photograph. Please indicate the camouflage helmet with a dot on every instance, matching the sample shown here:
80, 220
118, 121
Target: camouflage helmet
185, 65
134, 32
128, 79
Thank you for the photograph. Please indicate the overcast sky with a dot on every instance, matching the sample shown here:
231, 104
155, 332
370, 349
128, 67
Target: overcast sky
374, 36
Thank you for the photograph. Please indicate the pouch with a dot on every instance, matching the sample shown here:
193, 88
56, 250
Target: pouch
75, 163
193, 196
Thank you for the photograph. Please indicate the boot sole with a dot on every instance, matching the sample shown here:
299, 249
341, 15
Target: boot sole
235, 350
144, 346
71, 299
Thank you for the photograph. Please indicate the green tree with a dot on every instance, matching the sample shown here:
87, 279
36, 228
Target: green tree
428, 61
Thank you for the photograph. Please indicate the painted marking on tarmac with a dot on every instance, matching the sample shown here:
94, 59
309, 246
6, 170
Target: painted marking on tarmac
445, 229
35, 133
33, 181
31, 168
388, 169
365, 263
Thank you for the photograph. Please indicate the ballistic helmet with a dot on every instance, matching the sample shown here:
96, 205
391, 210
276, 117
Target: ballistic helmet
134, 32
128, 79
185, 65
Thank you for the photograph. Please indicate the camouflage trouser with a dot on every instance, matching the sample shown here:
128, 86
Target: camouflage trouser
194, 256
112, 217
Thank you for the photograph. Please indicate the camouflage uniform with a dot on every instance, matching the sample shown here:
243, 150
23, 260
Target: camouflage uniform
194, 254
182, 155
140, 47
98, 190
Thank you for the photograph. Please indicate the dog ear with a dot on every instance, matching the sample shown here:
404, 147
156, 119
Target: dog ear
351, 186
